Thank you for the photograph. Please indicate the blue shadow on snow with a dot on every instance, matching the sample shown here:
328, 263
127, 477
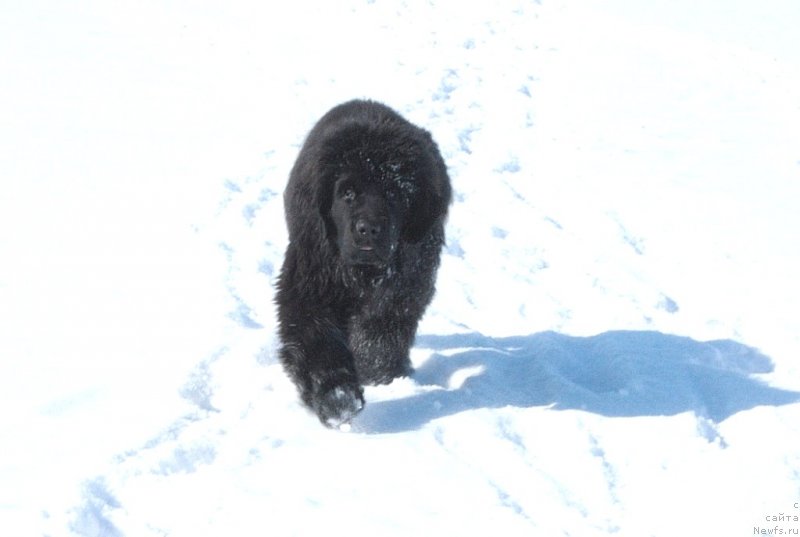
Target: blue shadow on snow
618, 373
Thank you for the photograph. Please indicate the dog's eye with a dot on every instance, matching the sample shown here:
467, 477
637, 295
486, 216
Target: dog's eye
349, 195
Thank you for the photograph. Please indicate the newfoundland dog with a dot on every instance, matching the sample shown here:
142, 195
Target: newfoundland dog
365, 207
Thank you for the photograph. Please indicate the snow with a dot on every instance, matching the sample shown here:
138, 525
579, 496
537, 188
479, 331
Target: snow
613, 344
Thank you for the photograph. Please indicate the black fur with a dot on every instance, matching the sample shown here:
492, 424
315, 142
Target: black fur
365, 207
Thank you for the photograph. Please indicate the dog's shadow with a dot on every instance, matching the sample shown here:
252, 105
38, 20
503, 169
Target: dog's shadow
613, 374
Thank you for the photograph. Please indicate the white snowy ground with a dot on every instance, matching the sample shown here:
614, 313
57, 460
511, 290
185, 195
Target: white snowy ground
614, 345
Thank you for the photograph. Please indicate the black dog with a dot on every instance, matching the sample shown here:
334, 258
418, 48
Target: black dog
365, 207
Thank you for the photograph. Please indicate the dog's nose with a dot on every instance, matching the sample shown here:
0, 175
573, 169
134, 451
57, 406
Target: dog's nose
366, 229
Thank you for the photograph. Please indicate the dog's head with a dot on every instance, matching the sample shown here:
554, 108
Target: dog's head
366, 183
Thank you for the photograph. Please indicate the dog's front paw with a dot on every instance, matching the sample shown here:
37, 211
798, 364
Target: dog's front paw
336, 402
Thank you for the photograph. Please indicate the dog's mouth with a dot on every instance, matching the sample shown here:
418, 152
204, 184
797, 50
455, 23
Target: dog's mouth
369, 254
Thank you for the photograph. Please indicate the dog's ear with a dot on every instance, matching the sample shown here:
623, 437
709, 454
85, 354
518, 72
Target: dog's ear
430, 202
307, 200
323, 201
